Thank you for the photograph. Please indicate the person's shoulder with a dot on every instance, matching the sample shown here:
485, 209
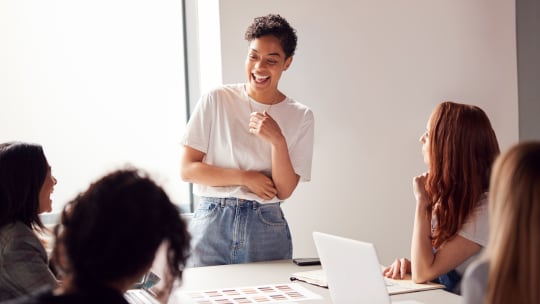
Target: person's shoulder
481, 210
221, 93
299, 108
46, 296
474, 283
478, 269
225, 89
295, 103
483, 201
16, 225
16, 230
18, 237
6, 231
40, 296
476, 226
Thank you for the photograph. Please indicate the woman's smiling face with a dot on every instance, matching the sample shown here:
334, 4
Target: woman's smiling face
264, 64
45, 202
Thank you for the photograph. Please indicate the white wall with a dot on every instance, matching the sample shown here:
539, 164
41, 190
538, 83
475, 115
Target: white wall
372, 71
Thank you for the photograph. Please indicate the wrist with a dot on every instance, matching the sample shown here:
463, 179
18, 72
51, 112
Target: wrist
243, 177
280, 143
422, 201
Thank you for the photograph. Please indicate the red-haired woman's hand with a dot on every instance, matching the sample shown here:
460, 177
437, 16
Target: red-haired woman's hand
398, 270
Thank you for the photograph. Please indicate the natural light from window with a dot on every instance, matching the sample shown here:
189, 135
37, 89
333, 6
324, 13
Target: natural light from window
100, 84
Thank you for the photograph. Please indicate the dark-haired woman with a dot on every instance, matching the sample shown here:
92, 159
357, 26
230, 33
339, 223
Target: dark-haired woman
26, 184
108, 238
450, 225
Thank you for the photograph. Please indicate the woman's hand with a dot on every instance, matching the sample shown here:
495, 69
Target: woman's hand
398, 269
264, 126
260, 184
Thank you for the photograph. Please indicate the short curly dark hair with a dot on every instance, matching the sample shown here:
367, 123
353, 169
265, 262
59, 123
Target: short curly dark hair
277, 26
112, 231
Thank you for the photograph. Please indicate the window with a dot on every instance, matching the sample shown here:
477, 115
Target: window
203, 53
100, 84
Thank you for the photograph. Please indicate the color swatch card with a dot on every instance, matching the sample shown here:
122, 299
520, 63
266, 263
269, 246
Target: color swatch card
273, 293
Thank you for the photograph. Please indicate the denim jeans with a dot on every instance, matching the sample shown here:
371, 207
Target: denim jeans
451, 281
232, 231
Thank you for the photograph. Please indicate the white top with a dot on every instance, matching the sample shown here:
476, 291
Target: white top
476, 229
218, 127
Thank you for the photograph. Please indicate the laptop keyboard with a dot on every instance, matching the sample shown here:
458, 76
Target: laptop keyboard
139, 296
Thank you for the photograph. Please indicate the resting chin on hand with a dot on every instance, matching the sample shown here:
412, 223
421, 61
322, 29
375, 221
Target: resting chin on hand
402, 266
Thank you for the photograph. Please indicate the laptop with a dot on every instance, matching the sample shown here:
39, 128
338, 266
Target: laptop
142, 292
145, 291
352, 270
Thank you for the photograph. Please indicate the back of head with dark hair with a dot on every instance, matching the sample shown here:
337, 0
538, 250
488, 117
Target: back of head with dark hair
277, 26
113, 230
23, 168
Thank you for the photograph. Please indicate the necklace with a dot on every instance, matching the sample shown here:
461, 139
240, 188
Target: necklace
267, 108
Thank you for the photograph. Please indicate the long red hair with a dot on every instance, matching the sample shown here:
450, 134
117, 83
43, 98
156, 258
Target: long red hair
462, 149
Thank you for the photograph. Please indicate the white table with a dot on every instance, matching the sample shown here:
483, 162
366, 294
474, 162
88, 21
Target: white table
278, 272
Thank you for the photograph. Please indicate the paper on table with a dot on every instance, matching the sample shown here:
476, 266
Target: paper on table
317, 277
270, 293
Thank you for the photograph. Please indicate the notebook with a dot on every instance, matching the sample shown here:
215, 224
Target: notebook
353, 273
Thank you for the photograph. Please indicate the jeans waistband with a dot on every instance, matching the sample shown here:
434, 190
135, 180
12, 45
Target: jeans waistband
235, 202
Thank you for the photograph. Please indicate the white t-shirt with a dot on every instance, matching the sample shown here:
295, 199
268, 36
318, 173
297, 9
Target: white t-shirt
219, 128
475, 229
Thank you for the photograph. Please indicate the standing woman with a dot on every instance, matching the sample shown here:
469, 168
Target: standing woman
509, 270
246, 147
450, 225
26, 184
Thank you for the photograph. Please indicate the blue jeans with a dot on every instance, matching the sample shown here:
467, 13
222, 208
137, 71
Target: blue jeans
451, 281
232, 231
